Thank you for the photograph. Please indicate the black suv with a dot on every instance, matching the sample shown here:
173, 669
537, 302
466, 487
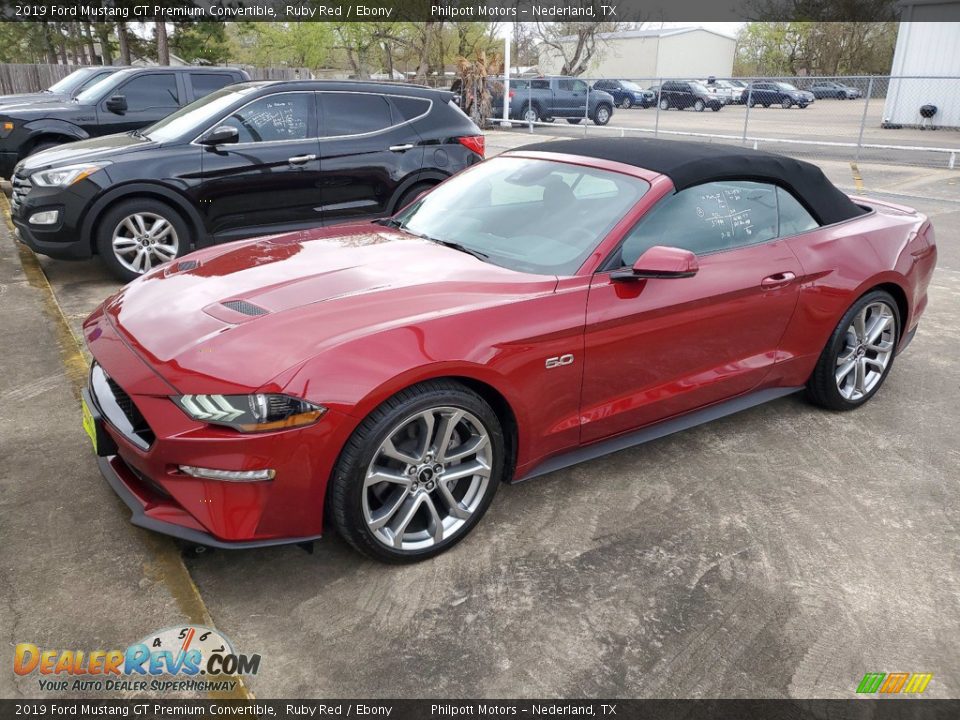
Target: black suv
683, 94
770, 92
252, 159
122, 101
64, 89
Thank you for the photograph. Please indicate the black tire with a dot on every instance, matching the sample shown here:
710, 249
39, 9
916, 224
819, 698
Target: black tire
345, 494
411, 194
822, 387
664, 105
531, 114
602, 114
766, 105
786, 104
112, 218
716, 108
574, 121
803, 106
43, 145
753, 103
699, 105
626, 104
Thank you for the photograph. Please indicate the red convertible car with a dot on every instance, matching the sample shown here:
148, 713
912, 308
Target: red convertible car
557, 302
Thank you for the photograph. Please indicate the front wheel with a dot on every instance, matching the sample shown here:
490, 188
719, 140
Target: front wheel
627, 103
858, 355
664, 105
574, 121
419, 473
138, 235
699, 106
601, 116
787, 104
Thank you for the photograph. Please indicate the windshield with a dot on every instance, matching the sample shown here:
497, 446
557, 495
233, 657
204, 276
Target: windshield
535, 216
71, 82
93, 94
631, 86
786, 86
197, 116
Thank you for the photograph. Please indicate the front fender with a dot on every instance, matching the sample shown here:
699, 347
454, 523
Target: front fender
52, 126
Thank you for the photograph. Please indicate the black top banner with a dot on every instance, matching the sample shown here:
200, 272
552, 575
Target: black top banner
508, 11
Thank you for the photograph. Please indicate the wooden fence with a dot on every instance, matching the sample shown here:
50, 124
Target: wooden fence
34, 78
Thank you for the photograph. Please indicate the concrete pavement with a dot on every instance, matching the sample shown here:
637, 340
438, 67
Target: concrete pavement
781, 552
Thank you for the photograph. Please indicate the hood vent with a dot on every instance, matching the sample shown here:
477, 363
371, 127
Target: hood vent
245, 308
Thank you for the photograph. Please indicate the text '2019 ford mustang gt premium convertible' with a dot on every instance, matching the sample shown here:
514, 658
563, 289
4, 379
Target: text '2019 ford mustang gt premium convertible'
560, 301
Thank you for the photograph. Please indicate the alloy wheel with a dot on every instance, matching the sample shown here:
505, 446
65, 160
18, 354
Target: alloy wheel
626, 103
427, 478
530, 116
867, 351
144, 240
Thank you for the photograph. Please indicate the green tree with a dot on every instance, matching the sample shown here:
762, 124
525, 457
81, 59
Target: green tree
201, 41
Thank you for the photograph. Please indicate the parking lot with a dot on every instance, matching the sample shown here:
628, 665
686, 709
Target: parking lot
819, 127
781, 552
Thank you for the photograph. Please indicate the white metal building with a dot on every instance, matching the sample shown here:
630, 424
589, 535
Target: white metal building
927, 56
689, 52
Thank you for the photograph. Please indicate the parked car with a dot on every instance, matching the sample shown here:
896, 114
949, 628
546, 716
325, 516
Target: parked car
382, 380
543, 99
830, 89
64, 89
249, 159
723, 89
767, 93
627, 94
682, 94
122, 101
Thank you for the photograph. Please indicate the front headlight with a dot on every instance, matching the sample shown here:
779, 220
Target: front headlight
66, 175
250, 413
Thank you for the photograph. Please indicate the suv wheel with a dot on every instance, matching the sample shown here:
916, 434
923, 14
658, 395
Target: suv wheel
627, 103
664, 105
418, 473
574, 121
786, 104
41, 146
699, 105
138, 235
531, 114
858, 355
601, 116
410, 195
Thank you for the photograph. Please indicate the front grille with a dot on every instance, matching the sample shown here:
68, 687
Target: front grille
242, 306
21, 188
119, 409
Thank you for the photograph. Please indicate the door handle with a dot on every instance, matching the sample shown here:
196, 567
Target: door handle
772, 282
301, 159
400, 148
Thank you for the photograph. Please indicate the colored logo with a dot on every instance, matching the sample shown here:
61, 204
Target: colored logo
188, 653
893, 683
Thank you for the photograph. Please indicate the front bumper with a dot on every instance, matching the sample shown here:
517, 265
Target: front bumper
143, 466
64, 239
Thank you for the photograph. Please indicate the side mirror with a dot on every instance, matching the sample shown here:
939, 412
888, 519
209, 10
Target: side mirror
117, 104
660, 262
220, 135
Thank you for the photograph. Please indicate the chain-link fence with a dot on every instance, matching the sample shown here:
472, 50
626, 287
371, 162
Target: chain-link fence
896, 120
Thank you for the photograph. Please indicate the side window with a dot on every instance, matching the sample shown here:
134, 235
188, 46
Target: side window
353, 113
707, 218
565, 85
578, 86
540, 84
410, 108
151, 91
794, 218
206, 83
278, 117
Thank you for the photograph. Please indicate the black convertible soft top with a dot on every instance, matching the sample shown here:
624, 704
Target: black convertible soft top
692, 163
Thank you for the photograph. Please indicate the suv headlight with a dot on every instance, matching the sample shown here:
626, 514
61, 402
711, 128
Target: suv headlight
250, 413
66, 175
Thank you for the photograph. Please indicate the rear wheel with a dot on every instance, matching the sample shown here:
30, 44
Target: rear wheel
574, 121
858, 355
531, 115
418, 473
138, 235
411, 194
753, 103
699, 106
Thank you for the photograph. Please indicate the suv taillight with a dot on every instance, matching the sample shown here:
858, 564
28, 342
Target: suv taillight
474, 143
509, 94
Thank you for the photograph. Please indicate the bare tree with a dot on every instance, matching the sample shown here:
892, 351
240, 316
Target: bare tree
163, 46
124, 43
575, 43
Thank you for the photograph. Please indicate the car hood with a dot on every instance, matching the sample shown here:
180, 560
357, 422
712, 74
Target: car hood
92, 150
234, 317
41, 98
63, 109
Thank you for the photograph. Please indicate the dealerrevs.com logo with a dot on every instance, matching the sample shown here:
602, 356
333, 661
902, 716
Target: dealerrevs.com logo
894, 683
182, 659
